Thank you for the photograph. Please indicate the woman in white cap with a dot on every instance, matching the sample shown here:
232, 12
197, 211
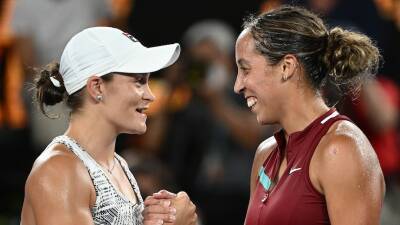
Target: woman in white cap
79, 179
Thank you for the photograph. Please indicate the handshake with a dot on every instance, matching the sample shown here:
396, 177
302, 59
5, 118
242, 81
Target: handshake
168, 208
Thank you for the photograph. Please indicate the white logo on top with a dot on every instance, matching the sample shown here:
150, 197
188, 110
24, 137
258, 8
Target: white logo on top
294, 170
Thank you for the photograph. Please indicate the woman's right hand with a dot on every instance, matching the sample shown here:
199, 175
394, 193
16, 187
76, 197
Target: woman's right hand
158, 209
185, 210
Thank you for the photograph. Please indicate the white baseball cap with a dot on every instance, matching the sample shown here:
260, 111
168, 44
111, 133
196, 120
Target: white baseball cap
98, 51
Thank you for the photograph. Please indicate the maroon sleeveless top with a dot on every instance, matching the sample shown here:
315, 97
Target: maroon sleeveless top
293, 200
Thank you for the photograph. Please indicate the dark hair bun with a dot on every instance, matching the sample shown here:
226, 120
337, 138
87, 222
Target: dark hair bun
350, 58
46, 93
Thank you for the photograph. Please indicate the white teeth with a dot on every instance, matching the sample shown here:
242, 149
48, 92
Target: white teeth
141, 110
251, 101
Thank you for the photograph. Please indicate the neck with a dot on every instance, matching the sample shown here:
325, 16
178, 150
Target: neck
297, 116
95, 135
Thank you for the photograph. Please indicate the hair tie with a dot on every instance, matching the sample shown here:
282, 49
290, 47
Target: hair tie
55, 81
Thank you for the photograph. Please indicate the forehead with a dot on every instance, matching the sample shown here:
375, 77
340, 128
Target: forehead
245, 45
245, 41
245, 49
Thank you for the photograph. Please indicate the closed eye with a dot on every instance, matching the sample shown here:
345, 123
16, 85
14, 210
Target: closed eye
243, 65
245, 70
141, 79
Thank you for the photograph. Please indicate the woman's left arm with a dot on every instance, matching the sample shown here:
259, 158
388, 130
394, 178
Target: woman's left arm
350, 177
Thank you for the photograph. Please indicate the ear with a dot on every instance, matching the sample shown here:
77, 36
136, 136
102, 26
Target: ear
289, 65
94, 88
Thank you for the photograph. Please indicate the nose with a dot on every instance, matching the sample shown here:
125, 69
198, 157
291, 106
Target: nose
148, 95
238, 87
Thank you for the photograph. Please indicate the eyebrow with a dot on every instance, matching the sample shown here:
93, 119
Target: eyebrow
140, 76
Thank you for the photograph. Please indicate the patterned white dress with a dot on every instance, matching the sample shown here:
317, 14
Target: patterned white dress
111, 207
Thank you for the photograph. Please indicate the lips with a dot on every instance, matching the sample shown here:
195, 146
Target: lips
141, 110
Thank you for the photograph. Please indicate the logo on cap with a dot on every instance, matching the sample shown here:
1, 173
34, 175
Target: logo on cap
130, 37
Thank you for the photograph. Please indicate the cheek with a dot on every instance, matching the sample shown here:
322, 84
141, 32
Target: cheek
266, 90
136, 97
133, 97
123, 103
258, 84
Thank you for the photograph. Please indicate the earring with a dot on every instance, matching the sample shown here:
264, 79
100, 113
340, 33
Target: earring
284, 77
99, 98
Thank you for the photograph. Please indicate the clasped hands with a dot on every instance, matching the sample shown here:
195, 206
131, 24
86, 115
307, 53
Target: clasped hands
168, 208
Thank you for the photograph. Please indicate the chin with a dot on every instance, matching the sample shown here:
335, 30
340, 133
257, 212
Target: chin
260, 118
137, 130
141, 129
264, 120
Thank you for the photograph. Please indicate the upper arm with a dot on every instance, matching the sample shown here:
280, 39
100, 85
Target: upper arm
58, 192
263, 151
351, 179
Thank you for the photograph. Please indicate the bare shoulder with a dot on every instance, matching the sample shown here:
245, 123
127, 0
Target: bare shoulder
262, 153
56, 170
343, 140
343, 155
345, 169
58, 190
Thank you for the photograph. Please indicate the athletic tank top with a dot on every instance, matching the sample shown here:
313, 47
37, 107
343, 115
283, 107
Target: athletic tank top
293, 200
111, 207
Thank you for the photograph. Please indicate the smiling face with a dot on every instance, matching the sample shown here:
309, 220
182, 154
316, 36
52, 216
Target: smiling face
258, 81
126, 97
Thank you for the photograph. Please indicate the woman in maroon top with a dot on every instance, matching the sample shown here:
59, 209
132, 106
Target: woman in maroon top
320, 168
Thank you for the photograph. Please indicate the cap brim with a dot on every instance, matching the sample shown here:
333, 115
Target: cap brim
151, 59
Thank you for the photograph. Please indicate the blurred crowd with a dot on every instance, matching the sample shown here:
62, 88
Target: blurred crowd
201, 137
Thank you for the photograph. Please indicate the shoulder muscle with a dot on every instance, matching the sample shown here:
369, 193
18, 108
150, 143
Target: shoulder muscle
350, 176
58, 188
